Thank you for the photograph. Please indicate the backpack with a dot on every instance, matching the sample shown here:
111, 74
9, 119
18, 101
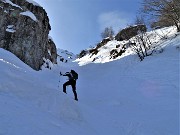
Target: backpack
74, 74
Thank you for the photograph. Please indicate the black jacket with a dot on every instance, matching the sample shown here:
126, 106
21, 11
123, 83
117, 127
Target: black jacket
69, 75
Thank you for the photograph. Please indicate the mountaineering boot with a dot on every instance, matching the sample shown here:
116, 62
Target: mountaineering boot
64, 91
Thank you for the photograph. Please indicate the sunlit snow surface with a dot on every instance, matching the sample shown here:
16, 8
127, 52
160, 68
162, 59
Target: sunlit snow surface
121, 97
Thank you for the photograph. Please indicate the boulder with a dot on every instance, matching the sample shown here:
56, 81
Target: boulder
129, 32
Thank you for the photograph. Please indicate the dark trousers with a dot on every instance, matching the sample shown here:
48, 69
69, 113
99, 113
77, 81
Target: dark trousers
73, 85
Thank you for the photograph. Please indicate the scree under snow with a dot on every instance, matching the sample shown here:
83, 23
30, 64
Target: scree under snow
122, 97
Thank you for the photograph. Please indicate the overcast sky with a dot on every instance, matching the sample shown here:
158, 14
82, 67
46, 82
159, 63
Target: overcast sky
77, 24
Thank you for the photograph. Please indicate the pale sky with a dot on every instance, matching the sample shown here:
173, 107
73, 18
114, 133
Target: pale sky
78, 24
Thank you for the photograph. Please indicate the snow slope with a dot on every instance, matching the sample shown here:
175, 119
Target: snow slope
122, 97
66, 56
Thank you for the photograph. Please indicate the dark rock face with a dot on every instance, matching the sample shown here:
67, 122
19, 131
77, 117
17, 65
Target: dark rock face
130, 32
83, 53
52, 51
24, 30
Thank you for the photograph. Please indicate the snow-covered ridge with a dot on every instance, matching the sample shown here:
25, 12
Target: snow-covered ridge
65, 56
104, 52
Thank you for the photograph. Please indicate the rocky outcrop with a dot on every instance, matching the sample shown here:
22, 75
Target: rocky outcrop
24, 29
117, 52
130, 32
83, 53
95, 50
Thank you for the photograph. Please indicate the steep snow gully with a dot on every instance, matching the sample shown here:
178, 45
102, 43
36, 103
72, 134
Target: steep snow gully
122, 97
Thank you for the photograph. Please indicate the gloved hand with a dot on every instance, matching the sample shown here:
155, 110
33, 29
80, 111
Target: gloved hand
61, 73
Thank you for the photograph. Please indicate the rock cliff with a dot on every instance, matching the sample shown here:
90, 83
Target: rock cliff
24, 29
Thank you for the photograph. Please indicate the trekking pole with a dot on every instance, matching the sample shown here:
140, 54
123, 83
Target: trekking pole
59, 82
59, 79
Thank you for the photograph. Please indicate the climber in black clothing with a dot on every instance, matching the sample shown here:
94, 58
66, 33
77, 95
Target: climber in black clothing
73, 76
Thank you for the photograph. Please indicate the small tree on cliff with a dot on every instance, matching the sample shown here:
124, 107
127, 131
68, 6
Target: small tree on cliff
108, 33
